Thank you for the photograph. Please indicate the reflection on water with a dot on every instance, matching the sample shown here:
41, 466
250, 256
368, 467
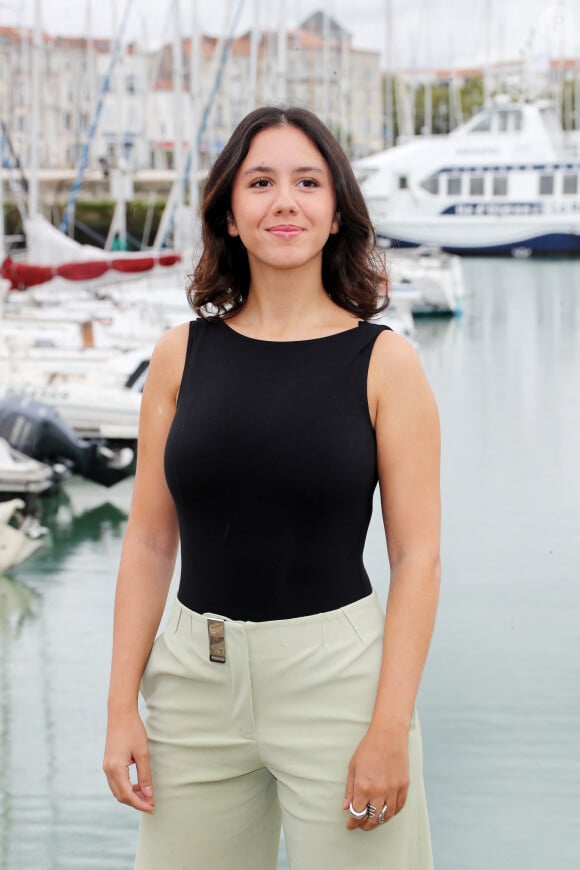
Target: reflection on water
54, 641
17, 603
500, 700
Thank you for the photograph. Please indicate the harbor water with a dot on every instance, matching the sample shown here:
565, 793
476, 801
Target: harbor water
500, 698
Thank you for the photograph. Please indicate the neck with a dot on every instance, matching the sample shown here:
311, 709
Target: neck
283, 299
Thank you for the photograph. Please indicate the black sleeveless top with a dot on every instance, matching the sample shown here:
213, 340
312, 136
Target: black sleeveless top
271, 461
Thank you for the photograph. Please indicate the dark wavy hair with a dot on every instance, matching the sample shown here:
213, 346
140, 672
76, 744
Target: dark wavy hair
353, 273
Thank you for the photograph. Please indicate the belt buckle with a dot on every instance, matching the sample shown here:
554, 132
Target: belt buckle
216, 632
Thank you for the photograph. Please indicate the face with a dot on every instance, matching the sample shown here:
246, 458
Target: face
283, 206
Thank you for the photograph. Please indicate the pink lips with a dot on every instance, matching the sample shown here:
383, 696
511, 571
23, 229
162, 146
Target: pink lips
285, 231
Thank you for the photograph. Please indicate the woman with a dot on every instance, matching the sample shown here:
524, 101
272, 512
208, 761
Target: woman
278, 691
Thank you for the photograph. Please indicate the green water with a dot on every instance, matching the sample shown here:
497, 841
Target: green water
500, 700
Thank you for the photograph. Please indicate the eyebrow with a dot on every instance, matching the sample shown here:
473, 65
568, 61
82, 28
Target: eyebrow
261, 168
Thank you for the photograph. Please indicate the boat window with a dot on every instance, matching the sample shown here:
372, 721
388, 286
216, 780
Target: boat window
403, 182
546, 184
453, 185
517, 120
500, 185
483, 125
503, 121
431, 184
476, 185
570, 183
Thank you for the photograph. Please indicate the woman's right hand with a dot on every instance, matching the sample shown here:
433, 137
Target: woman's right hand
126, 745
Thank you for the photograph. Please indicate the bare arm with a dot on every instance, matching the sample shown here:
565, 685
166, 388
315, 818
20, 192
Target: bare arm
145, 572
408, 448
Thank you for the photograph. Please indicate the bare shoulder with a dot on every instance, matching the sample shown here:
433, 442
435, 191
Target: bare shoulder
171, 346
168, 354
397, 380
393, 358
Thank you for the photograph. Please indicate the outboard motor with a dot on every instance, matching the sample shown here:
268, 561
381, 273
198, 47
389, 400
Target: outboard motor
37, 429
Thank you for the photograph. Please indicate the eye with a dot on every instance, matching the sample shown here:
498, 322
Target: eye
260, 182
309, 182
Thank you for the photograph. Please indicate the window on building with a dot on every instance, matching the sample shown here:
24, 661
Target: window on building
67, 121
476, 185
570, 183
431, 184
500, 185
403, 182
546, 184
454, 185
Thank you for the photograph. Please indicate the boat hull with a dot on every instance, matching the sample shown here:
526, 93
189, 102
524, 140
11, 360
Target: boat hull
547, 244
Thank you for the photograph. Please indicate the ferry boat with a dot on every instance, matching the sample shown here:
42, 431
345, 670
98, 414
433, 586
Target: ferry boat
506, 181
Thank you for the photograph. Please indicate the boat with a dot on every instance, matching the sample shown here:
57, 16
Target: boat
505, 182
36, 429
25, 478
430, 279
21, 534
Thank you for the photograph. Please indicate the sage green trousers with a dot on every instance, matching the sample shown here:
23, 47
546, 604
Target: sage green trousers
241, 748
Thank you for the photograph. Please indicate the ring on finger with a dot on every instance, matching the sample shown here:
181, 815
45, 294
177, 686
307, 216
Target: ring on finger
355, 813
382, 814
371, 811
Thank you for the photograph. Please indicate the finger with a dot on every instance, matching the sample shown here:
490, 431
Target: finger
147, 803
392, 807
122, 788
349, 788
359, 802
144, 779
401, 800
376, 804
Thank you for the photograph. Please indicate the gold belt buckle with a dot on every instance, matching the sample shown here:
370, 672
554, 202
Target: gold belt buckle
216, 631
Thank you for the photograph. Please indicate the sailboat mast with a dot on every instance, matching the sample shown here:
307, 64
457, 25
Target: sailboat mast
35, 113
2, 246
177, 101
389, 115
253, 71
195, 96
325, 67
487, 59
282, 51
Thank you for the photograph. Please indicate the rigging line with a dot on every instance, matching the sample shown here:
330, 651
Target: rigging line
84, 159
164, 232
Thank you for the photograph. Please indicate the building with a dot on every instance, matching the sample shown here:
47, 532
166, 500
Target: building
150, 95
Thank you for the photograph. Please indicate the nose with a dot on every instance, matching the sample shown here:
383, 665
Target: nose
284, 200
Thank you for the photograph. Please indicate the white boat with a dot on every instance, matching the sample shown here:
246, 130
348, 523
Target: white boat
91, 411
506, 181
38, 429
430, 279
17, 543
21, 475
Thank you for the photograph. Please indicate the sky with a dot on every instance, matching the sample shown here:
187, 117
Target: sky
425, 33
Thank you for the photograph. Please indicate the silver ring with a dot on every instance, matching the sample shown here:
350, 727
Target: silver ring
372, 811
356, 815
382, 814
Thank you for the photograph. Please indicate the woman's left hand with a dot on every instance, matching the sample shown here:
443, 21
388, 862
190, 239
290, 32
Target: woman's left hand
377, 774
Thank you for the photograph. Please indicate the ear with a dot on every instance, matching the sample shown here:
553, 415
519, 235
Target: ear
232, 228
335, 225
